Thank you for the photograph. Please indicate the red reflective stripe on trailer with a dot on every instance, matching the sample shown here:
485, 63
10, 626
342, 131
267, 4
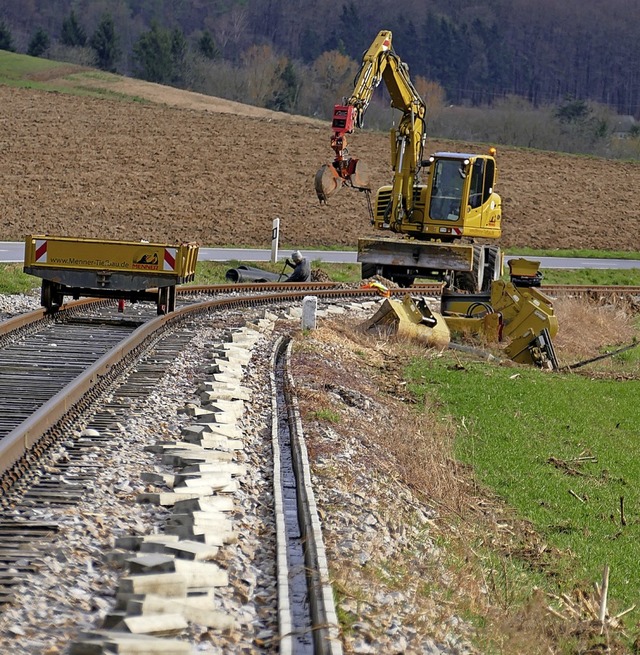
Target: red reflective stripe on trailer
41, 251
169, 259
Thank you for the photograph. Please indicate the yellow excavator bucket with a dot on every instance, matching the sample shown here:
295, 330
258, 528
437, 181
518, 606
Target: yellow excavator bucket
409, 319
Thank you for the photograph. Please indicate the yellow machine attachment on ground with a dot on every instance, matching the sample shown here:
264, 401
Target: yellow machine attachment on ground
514, 312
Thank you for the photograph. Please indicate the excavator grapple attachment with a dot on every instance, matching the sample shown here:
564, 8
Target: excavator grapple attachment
330, 177
327, 182
521, 316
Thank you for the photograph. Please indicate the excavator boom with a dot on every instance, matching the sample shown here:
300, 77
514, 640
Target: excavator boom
379, 63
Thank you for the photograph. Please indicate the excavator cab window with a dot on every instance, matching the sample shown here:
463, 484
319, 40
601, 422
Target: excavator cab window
446, 190
477, 184
489, 179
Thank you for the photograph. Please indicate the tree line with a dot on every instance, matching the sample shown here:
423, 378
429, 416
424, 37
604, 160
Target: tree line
541, 50
571, 65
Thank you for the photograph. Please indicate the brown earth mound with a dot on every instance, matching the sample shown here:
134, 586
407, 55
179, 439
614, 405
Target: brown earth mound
188, 167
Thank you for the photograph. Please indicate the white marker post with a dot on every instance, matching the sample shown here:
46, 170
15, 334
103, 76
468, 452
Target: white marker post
275, 235
309, 312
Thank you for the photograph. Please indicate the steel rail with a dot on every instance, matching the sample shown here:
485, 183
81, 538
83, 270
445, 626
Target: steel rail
24, 437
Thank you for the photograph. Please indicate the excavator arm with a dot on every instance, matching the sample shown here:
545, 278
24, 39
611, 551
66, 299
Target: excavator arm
379, 63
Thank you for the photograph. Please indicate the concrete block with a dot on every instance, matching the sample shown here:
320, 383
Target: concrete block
167, 498
192, 550
294, 312
150, 563
222, 443
215, 479
213, 503
224, 377
211, 520
219, 416
135, 542
243, 337
228, 391
191, 409
158, 479
226, 365
192, 433
124, 643
113, 620
201, 456
161, 584
199, 610
202, 574
235, 407
167, 624
309, 312
123, 599
227, 429
128, 542
203, 535
212, 468
157, 539
172, 446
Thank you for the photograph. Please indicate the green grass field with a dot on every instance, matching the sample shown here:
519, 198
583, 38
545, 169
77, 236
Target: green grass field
46, 75
13, 280
561, 449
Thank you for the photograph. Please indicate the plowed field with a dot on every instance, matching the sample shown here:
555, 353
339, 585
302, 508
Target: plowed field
190, 167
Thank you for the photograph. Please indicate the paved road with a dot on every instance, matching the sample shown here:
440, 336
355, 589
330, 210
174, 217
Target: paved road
14, 252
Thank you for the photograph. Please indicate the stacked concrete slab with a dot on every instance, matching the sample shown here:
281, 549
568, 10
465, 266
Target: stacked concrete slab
171, 576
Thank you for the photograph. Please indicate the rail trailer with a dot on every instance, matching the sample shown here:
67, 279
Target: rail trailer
97, 268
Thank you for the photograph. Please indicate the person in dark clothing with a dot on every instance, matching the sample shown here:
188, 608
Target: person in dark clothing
301, 268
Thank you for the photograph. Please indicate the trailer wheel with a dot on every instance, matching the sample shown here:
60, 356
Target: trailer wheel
51, 297
163, 301
171, 299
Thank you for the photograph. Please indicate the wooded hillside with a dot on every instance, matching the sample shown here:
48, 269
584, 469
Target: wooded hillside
541, 50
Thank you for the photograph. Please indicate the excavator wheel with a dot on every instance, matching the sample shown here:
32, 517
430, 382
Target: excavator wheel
368, 270
327, 182
404, 281
492, 266
471, 281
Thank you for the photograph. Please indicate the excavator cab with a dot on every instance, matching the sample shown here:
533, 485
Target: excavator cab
448, 178
456, 201
461, 195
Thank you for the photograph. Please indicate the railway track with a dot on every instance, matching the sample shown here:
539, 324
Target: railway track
52, 472
94, 414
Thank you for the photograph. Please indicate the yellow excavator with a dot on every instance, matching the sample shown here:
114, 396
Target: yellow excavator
441, 216
433, 212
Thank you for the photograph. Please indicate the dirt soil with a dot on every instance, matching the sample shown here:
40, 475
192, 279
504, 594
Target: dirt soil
188, 167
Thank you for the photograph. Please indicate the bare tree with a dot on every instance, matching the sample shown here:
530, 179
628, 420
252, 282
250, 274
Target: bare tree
262, 69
